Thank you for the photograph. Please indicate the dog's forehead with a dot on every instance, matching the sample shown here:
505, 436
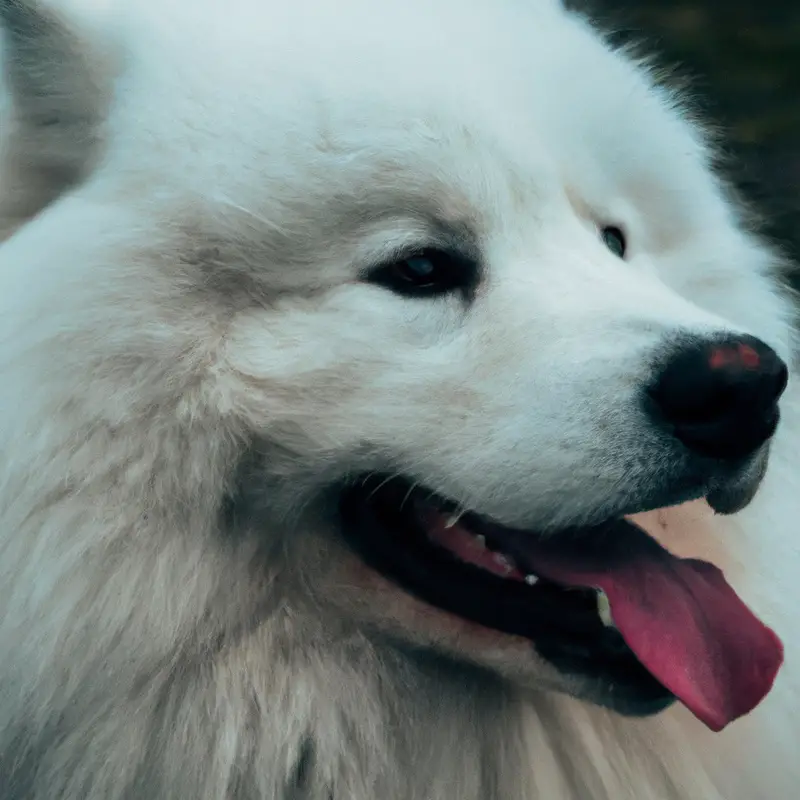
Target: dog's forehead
418, 69
431, 100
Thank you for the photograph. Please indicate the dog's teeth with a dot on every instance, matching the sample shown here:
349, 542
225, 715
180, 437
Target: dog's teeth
604, 609
453, 519
481, 540
531, 580
503, 562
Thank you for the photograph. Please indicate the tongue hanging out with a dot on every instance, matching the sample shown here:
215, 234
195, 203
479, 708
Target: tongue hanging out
680, 617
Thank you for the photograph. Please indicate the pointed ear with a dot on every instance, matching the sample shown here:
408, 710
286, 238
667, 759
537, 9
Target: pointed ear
55, 89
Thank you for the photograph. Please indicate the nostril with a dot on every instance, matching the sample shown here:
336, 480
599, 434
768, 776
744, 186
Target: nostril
687, 396
719, 397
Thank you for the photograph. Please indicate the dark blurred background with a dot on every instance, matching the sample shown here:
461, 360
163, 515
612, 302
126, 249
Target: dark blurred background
742, 59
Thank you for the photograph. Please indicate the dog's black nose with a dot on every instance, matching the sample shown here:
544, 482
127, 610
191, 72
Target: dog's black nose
720, 397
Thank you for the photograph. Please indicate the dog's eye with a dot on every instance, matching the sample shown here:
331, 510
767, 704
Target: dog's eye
425, 274
614, 240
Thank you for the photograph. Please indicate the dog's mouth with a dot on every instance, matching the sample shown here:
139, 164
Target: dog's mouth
606, 603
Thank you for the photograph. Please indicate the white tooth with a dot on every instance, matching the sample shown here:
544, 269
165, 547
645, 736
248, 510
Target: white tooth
604, 609
481, 541
531, 580
454, 517
503, 562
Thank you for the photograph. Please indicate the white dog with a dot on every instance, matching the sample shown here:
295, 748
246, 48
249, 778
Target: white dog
343, 345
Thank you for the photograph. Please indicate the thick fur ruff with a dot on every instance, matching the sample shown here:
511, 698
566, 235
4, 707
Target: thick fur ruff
189, 192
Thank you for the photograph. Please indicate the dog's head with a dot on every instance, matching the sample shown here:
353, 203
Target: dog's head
464, 281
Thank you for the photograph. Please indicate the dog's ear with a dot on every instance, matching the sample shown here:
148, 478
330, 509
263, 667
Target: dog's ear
55, 91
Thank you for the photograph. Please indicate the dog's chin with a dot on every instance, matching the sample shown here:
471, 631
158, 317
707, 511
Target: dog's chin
736, 492
468, 566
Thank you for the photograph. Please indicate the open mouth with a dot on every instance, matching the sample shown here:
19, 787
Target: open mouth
607, 603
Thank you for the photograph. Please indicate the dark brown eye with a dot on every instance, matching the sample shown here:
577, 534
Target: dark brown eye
427, 273
614, 240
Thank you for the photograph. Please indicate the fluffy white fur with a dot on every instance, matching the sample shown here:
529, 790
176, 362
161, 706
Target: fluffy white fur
189, 192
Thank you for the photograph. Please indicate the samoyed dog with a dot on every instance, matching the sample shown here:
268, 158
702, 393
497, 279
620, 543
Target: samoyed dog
393, 406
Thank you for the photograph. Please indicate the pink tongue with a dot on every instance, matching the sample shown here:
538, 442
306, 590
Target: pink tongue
682, 620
